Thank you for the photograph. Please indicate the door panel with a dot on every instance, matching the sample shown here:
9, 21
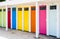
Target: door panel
26, 19
1, 17
52, 22
9, 17
33, 19
4, 17
13, 18
20, 18
42, 20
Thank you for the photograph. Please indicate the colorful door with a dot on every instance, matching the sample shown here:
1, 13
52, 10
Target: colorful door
1, 17
33, 19
42, 19
26, 19
9, 17
52, 20
19, 18
4, 17
14, 18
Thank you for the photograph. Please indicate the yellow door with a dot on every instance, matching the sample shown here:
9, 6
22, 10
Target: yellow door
19, 18
26, 19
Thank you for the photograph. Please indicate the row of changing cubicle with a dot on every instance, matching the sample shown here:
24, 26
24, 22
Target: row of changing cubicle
52, 19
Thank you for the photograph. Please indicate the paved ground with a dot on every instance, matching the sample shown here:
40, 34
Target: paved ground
15, 34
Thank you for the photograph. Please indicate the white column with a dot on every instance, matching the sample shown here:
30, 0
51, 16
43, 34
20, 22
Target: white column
58, 18
6, 17
29, 18
47, 20
22, 18
37, 20
16, 18
11, 17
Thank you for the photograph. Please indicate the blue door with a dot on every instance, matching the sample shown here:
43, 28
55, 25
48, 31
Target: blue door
14, 18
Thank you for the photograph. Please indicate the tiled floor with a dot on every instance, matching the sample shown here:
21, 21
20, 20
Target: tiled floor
15, 34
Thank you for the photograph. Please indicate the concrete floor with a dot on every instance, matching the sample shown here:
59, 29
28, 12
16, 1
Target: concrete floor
15, 34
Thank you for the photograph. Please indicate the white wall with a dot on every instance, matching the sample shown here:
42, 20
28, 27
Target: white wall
10, 2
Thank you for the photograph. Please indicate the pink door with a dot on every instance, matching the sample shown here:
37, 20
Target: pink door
42, 19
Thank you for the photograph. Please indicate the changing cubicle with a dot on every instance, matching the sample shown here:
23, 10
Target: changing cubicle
9, 18
33, 18
1, 18
26, 18
13, 17
19, 18
42, 19
4, 17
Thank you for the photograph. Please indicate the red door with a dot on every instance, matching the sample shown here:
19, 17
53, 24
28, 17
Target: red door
9, 18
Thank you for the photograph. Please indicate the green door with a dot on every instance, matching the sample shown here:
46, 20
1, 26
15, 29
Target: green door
0, 17
4, 17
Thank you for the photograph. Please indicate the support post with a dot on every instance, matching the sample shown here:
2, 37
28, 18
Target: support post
22, 18
37, 20
29, 18
6, 17
58, 18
